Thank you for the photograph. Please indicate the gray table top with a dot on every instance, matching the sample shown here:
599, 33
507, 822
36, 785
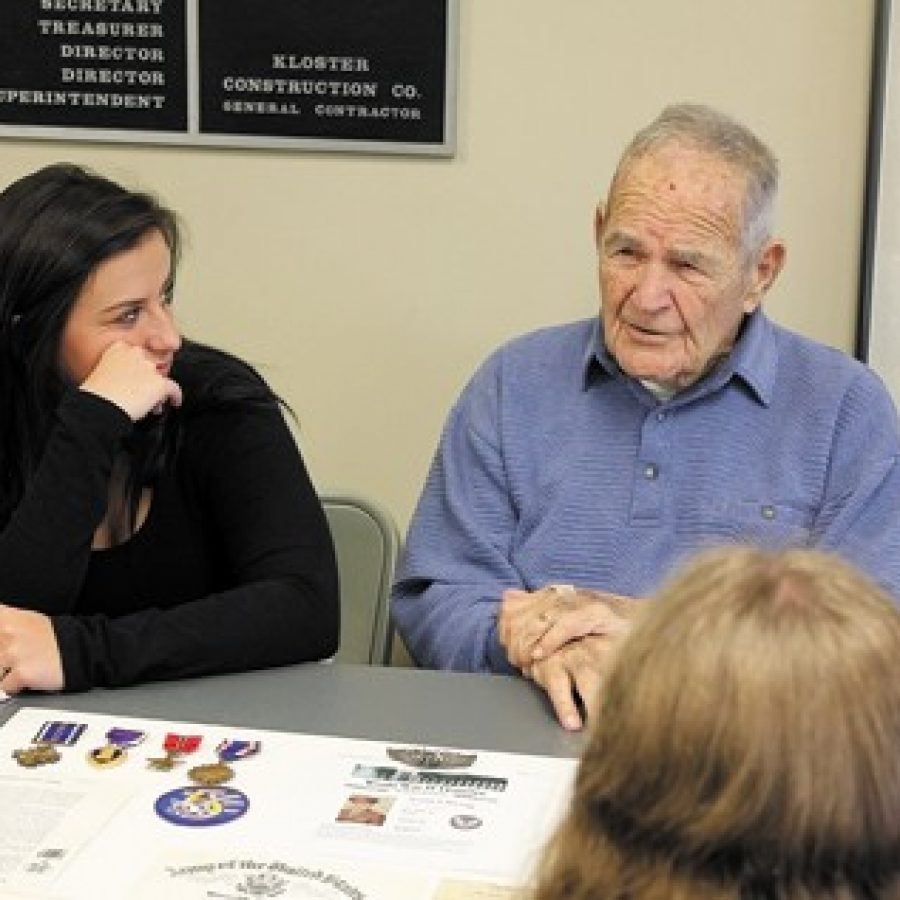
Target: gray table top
453, 709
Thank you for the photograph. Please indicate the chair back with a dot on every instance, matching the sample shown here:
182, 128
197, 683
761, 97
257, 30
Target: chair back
366, 541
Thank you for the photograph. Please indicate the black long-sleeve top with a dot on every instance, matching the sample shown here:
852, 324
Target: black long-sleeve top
233, 568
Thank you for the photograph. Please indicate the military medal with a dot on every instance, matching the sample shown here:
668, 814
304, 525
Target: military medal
113, 753
59, 733
38, 755
425, 758
201, 805
219, 772
175, 746
210, 774
49, 736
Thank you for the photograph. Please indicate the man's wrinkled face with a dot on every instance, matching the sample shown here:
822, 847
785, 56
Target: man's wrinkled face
675, 282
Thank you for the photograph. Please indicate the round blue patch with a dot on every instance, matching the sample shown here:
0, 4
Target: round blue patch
195, 805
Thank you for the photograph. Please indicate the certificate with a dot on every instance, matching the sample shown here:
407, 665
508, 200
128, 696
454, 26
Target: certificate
297, 816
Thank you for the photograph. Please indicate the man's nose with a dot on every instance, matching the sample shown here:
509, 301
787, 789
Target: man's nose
653, 290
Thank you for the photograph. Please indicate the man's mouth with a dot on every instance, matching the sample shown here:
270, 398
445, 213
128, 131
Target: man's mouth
649, 332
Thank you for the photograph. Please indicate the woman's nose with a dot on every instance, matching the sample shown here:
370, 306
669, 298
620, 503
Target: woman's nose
164, 334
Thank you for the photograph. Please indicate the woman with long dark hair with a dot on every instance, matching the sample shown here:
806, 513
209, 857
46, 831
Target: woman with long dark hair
156, 519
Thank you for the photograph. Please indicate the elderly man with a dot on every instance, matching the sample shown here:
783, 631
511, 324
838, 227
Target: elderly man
583, 462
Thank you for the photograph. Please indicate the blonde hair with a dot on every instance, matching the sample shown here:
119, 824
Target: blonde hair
747, 744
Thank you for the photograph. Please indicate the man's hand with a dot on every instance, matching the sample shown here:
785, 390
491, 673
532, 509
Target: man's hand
29, 654
575, 671
535, 625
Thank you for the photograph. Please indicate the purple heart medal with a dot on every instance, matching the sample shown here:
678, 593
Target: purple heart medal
113, 753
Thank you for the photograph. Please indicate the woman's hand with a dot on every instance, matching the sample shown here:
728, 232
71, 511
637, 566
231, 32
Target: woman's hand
129, 377
29, 654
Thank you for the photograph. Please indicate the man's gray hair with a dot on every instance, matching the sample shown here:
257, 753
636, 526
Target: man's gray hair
712, 131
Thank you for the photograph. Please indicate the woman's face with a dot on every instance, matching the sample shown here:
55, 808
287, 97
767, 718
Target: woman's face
127, 298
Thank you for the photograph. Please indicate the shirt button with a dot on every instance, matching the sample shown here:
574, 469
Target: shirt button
767, 511
660, 417
650, 471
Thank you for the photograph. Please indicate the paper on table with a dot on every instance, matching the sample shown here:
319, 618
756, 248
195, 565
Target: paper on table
312, 800
239, 874
44, 824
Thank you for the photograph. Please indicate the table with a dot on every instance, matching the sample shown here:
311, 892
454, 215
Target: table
417, 706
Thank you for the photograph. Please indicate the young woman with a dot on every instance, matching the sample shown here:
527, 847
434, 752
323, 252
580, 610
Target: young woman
156, 519
747, 745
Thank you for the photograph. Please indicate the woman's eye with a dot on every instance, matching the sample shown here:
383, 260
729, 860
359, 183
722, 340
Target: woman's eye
128, 316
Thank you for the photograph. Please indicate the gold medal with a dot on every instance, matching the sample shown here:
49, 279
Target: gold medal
49, 736
38, 755
163, 763
113, 753
211, 774
106, 757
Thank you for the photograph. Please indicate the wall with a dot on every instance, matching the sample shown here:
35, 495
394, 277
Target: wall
367, 288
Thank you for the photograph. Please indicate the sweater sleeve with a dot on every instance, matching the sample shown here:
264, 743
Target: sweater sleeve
46, 544
858, 518
280, 604
456, 560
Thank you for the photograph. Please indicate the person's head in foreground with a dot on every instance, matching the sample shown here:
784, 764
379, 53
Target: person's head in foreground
747, 745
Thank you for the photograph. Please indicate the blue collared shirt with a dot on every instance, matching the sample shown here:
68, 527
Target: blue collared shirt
555, 467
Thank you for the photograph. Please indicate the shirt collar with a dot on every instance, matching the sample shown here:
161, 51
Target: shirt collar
753, 360
598, 363
754, 357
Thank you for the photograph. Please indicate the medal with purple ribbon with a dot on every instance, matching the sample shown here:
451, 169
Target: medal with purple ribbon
114, 752
220, 772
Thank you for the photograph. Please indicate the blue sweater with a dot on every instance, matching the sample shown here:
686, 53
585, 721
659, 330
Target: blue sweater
556, 467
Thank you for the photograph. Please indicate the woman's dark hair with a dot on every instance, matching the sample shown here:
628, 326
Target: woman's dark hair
56, 226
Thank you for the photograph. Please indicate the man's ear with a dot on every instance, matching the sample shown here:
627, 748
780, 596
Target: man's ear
765, 270
599, 219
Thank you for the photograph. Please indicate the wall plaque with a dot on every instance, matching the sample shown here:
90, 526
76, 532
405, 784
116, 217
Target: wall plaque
359, 75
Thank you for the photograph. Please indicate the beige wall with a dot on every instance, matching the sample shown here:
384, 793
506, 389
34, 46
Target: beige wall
367, 288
